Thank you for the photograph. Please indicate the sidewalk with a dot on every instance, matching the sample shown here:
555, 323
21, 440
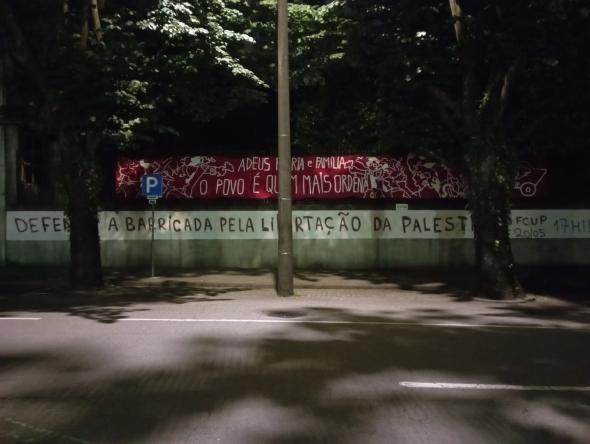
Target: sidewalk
57, 277
304, 279
422, 295
566, 283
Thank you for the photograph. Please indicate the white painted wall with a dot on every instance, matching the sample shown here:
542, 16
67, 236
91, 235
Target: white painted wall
358, 239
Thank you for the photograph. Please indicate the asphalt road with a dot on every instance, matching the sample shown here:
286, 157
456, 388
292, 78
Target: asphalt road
328, 366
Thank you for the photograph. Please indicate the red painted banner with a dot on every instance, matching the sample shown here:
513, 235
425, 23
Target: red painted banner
313, 177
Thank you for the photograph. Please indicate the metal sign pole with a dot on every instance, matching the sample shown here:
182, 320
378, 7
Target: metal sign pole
153, 229
152, 187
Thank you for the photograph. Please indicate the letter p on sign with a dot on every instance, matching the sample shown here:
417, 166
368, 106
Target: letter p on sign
152, 185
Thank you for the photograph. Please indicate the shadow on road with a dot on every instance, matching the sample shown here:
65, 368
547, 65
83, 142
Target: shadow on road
567, 283
308, 383
47, 290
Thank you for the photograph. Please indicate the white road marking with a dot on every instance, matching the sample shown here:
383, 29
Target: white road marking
19, 319
462, 386
385, 323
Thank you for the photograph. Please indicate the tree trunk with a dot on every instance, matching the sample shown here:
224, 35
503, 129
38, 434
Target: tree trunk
85, 266
490, 189
81, 183
489, 163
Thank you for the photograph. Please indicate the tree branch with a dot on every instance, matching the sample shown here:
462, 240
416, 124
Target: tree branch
507, 87
446, 118
490, 99
96, 20
471, 94
530, 130
84, 16
447, 108
457, 15
444, 99
468, 56
63, 9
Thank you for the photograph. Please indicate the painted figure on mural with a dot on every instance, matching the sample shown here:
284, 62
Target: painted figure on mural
364, 177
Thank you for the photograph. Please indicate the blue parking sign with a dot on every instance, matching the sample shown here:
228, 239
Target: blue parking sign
152, 185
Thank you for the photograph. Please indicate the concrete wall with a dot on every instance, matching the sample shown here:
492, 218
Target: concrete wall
552, 251
417, 238
38, 253
309, 253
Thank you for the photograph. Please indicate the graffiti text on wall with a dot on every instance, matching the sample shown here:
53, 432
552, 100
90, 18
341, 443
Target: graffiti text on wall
324, 224
313, 177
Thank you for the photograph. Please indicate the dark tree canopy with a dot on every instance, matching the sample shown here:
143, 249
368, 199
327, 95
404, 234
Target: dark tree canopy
478, 84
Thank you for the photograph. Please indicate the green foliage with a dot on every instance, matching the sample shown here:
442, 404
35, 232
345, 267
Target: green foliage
367, 80
366, 67
154, 60
194, 33
362, 71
